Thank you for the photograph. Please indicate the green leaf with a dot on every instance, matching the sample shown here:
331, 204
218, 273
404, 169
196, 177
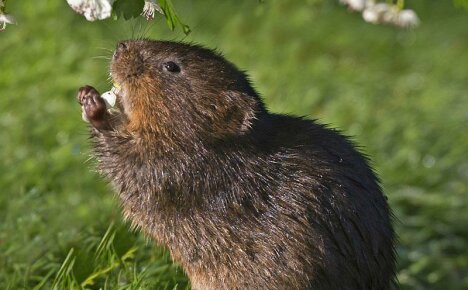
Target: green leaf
172, 19
128, 8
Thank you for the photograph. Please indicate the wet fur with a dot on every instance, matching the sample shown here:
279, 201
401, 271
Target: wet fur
242, 198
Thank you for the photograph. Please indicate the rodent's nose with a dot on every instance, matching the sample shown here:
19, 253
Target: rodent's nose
121, 47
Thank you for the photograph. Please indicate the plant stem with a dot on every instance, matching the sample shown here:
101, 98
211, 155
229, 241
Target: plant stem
400, 4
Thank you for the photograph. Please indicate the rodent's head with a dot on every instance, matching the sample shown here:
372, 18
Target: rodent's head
171, 88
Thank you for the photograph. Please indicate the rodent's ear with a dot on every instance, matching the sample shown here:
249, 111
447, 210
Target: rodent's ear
238, 113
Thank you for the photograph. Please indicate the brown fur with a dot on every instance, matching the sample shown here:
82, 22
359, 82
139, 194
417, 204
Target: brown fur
242, 198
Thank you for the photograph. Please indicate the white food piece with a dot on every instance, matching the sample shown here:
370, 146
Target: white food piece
109, 97
83, 116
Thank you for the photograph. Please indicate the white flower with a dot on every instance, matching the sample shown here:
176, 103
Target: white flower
370, 15
6, 19
150, 8
407, 18
377, 13
356, 5
389, 14
92, 9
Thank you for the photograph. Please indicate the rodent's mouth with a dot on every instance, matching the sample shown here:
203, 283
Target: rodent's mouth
129, 75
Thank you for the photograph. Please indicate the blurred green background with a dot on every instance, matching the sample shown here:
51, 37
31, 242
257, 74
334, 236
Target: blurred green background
403, 95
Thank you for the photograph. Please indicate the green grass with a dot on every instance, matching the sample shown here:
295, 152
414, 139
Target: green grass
402, 94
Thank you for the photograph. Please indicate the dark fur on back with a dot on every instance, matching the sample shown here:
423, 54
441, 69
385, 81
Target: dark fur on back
242, 198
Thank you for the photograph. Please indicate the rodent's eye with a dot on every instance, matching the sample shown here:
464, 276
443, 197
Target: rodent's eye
171, 66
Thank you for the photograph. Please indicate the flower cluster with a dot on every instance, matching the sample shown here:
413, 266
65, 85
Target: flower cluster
383, 13
102, 9
92, 9
5, 18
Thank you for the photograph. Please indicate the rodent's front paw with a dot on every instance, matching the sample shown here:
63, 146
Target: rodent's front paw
93, 107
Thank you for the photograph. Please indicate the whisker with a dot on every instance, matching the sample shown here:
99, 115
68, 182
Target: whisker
139, 30
134, 24
101, 57
110, 51
146, 29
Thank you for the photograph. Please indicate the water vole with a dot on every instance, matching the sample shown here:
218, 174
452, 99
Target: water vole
243, 198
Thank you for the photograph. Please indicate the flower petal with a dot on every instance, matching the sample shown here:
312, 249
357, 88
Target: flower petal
7, 19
